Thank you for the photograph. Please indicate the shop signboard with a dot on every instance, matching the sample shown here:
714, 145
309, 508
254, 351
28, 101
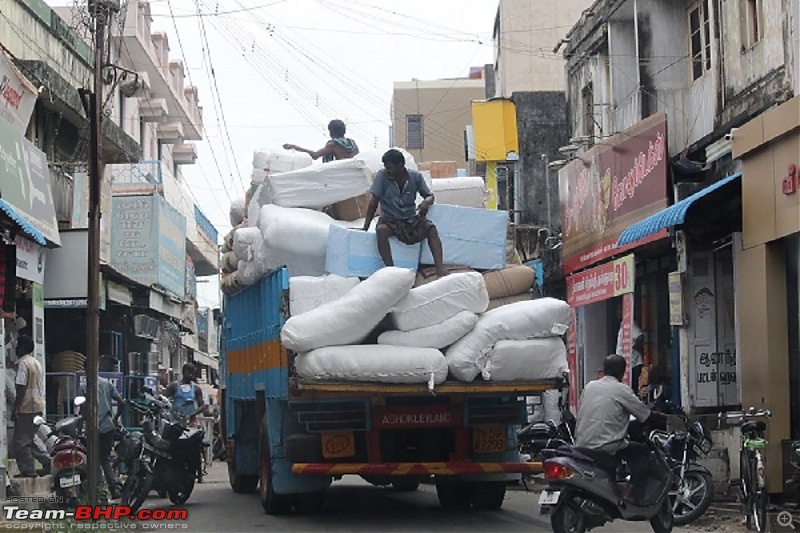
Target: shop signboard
606, 189
602, 282
148, 242
30, 260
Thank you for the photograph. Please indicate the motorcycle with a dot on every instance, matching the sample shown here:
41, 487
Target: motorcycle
536, 437
585, 490
693, 486
167, 459
65, 443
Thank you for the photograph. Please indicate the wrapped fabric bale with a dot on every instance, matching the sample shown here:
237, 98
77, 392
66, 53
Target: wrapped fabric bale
237, 212
260, 198
426, 275
373, 362
229, 262
249, 272
441, 299
227, 242
435, 336
352, 252
295, 237
526, 360
509, 281
309, 292
352, 317
500, 302
230, 283
544, 317
245, 242
470, 236
276, 161
374, 159
466, 192
320, 185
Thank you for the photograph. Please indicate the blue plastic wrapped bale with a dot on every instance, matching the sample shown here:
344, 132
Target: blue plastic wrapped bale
355, 253
470, 236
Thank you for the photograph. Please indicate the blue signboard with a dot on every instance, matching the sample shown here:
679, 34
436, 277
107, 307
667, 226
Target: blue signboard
172, 248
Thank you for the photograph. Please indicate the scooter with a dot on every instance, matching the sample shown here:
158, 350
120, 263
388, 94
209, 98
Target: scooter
68, 457
585, 490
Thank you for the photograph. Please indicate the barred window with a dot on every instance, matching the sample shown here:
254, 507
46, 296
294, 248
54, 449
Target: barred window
415, 140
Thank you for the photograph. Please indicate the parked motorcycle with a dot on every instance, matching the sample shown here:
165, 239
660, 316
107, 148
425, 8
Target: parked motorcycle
65, 442
168, 459
693, 485
585, 490
534, 438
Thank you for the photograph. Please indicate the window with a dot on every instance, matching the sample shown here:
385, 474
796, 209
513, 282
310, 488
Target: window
752, 22
588, 111
700, 39
414, 133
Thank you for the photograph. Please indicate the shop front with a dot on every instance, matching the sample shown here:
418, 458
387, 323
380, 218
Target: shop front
617, 290
768, 301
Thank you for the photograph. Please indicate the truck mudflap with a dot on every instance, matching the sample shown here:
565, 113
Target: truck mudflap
416, 469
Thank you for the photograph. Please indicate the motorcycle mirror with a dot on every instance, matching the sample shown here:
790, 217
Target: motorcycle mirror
79, 400
38, 420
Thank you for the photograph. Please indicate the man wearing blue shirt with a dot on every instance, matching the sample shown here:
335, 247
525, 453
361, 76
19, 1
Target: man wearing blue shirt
396, 189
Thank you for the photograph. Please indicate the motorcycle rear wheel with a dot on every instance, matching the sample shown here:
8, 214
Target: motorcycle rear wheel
136, 488
565, 519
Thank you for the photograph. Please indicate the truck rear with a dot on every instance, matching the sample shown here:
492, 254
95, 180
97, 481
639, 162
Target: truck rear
290, 437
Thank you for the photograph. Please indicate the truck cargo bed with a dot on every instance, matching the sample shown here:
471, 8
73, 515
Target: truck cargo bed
311, 388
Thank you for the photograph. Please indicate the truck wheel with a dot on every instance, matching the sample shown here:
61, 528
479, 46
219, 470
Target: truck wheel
489, 495
272, 503
452, 493
405, 485
240, 483
309, 502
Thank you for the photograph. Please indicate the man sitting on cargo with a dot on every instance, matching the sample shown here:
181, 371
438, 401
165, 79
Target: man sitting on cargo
339, 147
396, 189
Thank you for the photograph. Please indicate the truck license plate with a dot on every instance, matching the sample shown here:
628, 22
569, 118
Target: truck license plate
489, 439
70, 481
549, 497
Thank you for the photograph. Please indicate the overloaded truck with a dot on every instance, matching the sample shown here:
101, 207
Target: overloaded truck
290, 436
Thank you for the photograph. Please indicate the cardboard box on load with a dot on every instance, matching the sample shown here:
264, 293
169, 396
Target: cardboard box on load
439, 169
352, 208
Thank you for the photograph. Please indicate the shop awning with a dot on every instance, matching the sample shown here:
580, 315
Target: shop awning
204, 359
671, 216
23, 224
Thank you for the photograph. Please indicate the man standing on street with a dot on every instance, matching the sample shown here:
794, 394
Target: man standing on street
28, 404
107, 392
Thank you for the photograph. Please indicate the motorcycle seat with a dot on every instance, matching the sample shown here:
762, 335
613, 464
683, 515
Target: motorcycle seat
602, 459
751, 427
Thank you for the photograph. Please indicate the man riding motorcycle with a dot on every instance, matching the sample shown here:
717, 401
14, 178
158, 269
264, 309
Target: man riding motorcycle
606, 406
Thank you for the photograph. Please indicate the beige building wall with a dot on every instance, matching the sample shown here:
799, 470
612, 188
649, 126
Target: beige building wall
446, 108
528, 32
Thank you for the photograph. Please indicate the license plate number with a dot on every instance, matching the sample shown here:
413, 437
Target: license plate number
70, 481
549, 497
489, 439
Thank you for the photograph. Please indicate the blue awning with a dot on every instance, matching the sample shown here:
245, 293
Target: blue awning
671, 216
24, 225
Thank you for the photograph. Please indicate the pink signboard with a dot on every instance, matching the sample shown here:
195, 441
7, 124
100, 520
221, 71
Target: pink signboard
617, 183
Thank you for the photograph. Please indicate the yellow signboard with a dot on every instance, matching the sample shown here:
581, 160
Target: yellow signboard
495, 126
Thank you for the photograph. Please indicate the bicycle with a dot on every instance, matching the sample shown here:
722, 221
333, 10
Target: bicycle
752, 464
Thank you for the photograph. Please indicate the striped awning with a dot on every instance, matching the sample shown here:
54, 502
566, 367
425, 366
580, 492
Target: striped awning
23, 224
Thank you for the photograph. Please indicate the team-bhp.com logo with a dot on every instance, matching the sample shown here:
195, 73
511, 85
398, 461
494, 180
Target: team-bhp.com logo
96, 512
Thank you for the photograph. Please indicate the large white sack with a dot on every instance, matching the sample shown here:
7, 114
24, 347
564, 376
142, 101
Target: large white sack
249, 272
372, 362
320, 185
436, 336
466, 192
439, 300
259, 199
245, 241
237, 212
309, 292
374, 159
349, 319
275, 161
544, 317
527, 360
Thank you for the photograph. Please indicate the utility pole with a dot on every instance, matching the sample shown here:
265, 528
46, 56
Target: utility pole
101, 10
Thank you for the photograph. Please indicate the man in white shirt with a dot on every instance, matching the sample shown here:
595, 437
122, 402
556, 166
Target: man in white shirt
29, 403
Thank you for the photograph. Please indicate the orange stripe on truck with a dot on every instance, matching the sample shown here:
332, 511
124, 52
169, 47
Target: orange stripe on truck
268, 355
409, 469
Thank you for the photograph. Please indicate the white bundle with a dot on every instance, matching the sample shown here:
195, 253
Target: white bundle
259, 199
228, 262
275, 161
245, 242
527, 360
309, 292
372, 362
466, 191
436, 336
439, 300
297, 238
237, 212
249, 272
349, 319
374, 159
544, 317
320, 185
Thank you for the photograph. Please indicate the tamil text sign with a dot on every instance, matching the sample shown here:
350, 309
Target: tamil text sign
608, 188
602, 282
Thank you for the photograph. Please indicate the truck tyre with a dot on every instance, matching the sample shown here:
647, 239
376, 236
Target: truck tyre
405, 485
240, 483
309, 502
452, 493
272, 503
488, 495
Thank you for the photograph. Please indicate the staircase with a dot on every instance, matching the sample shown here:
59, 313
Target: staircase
27, 492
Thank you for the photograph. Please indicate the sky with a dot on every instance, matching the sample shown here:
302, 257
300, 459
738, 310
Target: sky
270, 72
